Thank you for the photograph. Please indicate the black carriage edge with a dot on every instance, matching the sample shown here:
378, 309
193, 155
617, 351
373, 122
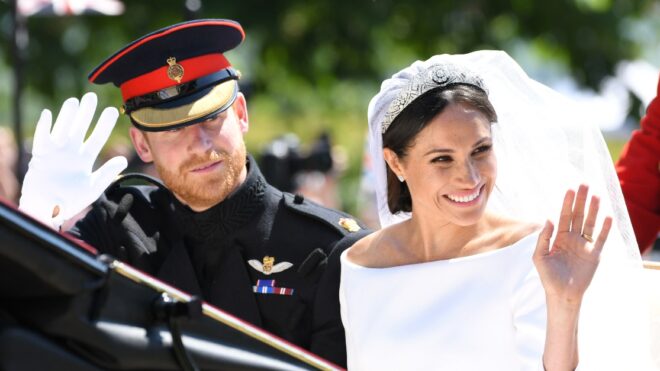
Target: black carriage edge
64, 307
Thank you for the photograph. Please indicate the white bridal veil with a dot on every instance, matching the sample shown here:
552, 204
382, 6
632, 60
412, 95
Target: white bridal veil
545, 144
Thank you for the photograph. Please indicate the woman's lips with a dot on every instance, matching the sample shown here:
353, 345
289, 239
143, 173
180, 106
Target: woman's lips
467, 198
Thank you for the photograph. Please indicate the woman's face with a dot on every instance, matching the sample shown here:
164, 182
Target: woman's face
451, 167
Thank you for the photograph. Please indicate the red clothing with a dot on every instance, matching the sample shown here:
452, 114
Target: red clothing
639, 173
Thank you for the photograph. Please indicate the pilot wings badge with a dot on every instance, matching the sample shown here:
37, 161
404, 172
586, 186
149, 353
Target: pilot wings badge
268, 266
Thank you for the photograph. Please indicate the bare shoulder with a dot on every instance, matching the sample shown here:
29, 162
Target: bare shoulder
510, 231
373, 250
360, 252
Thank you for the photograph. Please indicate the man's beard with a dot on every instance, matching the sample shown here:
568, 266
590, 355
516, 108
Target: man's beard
204, 191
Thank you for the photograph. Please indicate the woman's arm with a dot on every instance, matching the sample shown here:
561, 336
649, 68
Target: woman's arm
566, 267
560, 352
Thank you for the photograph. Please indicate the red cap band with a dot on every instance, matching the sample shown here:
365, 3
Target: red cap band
193, 68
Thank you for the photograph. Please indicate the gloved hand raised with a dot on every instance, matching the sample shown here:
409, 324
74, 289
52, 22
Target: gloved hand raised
59, 182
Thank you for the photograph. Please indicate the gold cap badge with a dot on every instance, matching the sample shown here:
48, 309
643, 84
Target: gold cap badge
175, 70
349, 224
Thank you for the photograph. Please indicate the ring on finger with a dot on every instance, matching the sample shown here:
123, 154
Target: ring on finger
587, 237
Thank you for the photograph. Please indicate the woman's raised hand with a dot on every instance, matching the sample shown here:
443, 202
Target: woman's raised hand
567, 264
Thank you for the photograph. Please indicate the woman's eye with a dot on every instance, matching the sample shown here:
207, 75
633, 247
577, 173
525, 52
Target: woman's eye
441, 159
482, 149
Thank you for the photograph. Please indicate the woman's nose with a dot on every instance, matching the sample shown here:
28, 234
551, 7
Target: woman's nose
469, 174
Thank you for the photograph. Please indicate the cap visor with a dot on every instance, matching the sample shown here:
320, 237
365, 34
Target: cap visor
187, 110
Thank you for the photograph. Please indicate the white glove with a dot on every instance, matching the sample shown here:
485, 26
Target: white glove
59, 182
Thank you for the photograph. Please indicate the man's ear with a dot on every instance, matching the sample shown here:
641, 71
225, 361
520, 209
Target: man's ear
141, 144
240, 109
393, 162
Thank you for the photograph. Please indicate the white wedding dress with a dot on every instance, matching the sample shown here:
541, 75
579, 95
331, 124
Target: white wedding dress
480, 312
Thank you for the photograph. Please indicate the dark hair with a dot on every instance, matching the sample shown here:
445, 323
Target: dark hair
400, 135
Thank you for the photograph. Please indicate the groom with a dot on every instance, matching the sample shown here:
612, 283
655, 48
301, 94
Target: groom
214, 227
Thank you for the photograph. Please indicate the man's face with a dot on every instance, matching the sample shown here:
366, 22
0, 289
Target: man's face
200, 163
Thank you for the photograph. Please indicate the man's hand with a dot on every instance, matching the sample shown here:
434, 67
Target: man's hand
59, 182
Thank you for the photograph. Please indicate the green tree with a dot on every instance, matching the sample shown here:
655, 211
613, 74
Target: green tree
310, 66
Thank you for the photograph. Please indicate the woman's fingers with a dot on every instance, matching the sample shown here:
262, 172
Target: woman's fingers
602, 236
564, 224
578, 210
573, 221
543, 243
590, 222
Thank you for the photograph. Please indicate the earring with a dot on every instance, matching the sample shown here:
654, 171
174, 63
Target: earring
400, 177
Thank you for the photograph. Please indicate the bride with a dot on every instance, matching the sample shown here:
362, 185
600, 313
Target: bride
467, 273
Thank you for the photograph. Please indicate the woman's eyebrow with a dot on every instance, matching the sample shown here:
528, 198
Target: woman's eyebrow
447, 150
438, 150
481, 141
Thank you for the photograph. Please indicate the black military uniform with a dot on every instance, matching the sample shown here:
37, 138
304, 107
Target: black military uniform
267, 257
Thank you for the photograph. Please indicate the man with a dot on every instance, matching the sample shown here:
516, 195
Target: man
215, 228
639, 174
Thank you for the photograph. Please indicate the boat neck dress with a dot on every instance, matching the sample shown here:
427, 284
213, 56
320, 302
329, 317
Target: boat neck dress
479, 312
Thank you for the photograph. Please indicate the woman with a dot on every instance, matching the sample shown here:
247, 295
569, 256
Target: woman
452, 285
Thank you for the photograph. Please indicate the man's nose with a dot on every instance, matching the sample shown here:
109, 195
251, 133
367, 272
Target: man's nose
200, 138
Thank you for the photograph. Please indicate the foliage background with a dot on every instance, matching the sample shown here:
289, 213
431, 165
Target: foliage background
311, 66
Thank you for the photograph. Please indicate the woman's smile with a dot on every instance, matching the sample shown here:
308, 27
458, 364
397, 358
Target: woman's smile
465, 199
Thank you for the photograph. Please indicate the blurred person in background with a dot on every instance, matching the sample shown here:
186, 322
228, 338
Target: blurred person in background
313, 173
323, 187
8, 182
368, 209
638, 169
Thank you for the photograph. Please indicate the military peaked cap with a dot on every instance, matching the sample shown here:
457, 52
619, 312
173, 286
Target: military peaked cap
176, 76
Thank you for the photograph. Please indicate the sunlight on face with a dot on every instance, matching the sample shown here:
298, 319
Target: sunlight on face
202, 163
451, 167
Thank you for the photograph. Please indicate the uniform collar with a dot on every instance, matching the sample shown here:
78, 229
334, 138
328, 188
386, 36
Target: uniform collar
228, 215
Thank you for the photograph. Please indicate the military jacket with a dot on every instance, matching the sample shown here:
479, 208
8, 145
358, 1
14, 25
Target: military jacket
265, 256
